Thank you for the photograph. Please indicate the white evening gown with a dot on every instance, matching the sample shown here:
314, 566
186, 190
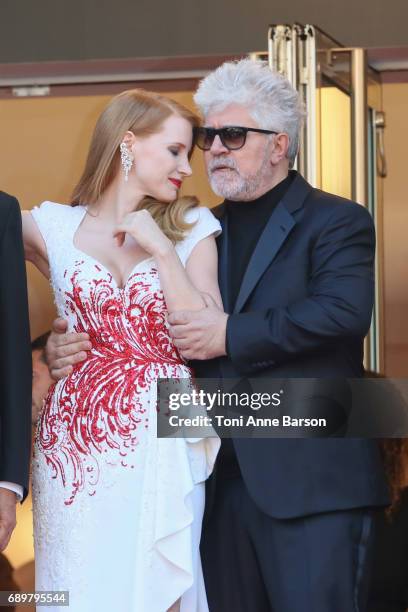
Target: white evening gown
117, 511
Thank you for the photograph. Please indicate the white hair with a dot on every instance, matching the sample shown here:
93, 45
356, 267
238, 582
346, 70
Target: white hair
269, 97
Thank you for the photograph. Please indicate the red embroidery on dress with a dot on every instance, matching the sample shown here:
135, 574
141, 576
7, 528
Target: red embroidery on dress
99, 407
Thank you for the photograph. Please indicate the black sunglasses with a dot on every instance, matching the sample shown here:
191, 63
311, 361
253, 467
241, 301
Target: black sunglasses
232, 137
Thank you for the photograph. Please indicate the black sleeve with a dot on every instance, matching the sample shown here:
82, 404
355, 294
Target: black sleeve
15, 352
338, 305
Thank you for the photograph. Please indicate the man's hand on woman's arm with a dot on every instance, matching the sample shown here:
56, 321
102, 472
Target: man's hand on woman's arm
64, 350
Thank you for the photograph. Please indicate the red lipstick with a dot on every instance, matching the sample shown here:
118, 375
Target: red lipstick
175, 182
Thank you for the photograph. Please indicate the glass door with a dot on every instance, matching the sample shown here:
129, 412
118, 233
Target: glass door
377, 171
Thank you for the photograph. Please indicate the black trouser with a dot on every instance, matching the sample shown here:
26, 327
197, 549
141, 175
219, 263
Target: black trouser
255, 563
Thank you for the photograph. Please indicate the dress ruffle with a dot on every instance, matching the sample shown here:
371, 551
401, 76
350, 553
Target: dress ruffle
171, 476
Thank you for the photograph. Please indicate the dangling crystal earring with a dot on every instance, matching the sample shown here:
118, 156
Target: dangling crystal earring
126, 158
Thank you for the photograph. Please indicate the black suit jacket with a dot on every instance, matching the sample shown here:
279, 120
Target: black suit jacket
15, 349
303, 310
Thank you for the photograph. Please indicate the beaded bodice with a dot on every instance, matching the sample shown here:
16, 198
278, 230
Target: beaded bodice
101, 408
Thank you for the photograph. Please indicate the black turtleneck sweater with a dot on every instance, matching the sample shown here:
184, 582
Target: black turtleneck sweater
246, 221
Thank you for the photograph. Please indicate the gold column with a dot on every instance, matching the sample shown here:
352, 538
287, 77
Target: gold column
359, 125
359, 120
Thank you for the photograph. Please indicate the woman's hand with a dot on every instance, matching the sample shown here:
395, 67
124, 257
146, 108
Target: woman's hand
143, 228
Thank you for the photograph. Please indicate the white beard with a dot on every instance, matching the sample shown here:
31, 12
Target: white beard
231, 185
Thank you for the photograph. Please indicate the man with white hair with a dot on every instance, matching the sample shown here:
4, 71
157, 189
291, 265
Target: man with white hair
289, 522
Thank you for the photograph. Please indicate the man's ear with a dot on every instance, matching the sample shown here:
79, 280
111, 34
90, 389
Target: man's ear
280, 148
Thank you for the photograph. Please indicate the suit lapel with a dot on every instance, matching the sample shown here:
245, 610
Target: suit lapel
276, 231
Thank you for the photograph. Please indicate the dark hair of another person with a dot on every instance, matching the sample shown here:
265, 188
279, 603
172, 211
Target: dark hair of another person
39, 344
394, 452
